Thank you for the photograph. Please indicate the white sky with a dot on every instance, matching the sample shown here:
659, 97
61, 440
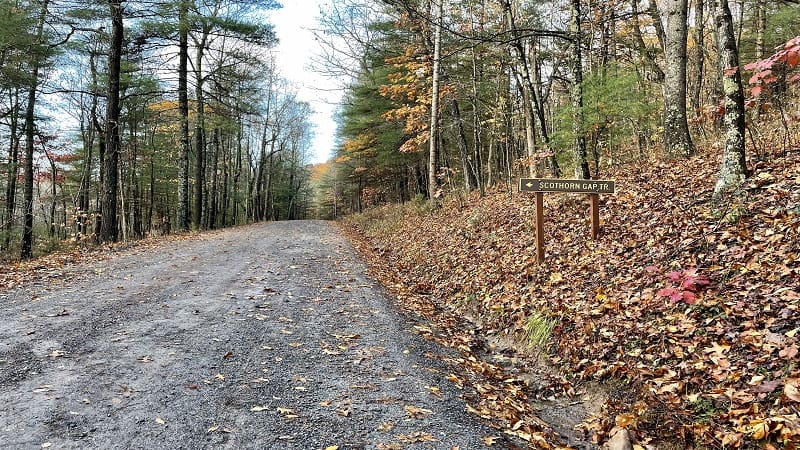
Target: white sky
293, 24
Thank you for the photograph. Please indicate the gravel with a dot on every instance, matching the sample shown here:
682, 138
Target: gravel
268, 336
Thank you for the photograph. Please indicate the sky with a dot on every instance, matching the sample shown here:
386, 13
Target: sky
293, 24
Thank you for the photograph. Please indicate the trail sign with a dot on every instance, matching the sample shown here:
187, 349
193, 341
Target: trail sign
541, 185
558, 185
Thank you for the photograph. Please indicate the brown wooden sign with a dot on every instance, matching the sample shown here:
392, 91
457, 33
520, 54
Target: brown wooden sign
559, 185
541, 185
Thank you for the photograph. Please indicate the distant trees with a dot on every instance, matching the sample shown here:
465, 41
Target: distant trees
161, 123
554, 87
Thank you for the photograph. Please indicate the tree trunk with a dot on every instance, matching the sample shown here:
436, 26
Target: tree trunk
470, 182
212, 210
641, 46
13, 170
579, 151
30, 123
677, 140
183, 111
109, 222
476, 125
529, 93
87, 132
433, 154
199, 136
699, 55
733, 169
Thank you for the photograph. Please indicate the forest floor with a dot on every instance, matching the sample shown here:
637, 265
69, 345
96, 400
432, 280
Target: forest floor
267, 336
679, 325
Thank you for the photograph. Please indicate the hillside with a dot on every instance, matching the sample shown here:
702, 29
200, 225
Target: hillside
686, 308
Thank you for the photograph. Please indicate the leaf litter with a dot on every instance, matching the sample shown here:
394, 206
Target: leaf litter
686, 308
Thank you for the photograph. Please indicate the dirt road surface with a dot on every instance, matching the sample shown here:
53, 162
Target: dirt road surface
269, 336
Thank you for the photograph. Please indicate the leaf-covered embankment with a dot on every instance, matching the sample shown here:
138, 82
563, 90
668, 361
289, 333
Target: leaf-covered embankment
694, 304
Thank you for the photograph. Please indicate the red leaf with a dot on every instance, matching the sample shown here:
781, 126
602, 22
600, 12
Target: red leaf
756, 91
752, 66
674, 276
688, 297
792, 58
731, 71
667, 292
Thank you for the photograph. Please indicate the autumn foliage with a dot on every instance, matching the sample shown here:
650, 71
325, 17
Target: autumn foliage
688, 309
770, 70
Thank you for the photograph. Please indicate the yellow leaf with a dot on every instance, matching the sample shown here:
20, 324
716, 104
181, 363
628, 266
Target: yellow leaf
258, 408
213, 429
626, 420
332, 447
160, 421
759, 429
489, 440
435, 391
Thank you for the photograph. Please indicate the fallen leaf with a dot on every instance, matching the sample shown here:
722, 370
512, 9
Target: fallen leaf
417, 413
489, 440
386, 427
789, 352
790, 389
259, 408
435, 391
160, 421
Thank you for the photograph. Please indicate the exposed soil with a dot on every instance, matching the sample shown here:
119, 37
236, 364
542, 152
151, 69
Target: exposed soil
266, 336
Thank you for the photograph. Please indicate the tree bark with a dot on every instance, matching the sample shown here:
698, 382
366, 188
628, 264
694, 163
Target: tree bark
677, 140
699, 55
13, 169
109, 222
199, 135
183, 112
30, 123
433, 154
733, 169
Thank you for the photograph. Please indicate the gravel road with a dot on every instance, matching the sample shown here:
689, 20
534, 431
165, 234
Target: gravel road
268, 336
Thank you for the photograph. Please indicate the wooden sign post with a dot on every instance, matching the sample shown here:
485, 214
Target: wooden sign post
541, 185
